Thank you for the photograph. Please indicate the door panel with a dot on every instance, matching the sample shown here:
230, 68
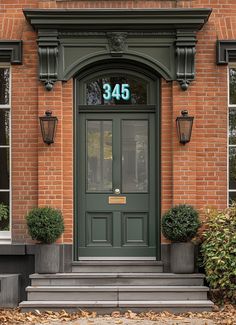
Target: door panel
116, 191
135, 229
99, 229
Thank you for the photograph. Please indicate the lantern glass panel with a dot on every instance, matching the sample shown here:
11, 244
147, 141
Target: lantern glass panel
48, 126
184, 125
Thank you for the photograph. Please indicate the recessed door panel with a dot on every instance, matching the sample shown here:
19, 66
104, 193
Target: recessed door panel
98, 229
135, 229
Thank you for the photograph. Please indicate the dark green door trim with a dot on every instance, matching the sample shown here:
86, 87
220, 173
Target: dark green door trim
71, 39
151, 108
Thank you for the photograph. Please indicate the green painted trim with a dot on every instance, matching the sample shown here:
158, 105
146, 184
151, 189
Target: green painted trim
157, 102
75, 184
133, 58
121, 19
225, 51
158, 168
11, 51
71, 39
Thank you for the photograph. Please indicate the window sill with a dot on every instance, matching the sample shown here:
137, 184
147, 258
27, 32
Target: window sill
5, 237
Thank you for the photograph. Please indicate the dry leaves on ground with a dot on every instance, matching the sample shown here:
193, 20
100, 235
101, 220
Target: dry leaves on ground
222, 316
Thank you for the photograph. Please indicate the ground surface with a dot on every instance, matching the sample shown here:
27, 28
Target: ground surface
124, 321
224, 316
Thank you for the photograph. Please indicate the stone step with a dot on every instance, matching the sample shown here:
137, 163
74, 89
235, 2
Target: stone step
117, 266
112, 293
117, 279
104, 307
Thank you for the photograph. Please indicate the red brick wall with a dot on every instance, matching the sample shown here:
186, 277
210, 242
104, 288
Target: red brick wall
195, 173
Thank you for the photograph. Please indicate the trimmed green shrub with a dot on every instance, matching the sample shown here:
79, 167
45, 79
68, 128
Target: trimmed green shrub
219, 251
180, 223
45, 224
4, 217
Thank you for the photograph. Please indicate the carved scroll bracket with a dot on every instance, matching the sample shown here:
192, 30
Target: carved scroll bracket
185, 54
48, 43
117, 42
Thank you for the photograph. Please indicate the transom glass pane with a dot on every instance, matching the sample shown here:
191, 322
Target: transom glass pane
116, 90
4, 86
99, 156
135, 156
4, 127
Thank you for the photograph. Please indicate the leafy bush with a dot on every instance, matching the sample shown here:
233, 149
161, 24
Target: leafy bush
4, 217
219, 251
45, 224
180, 223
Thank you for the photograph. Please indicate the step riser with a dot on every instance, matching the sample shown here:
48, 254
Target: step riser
122, 269
117, 281
112, 296
109, 310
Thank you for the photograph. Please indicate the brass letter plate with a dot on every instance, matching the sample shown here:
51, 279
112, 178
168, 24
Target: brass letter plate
117, 199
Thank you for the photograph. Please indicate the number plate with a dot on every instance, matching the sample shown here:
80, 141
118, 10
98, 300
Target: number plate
117, 199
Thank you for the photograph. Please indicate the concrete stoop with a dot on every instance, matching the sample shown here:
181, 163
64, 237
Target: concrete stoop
99, 288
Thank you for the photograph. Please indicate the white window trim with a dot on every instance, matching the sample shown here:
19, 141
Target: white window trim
5, 236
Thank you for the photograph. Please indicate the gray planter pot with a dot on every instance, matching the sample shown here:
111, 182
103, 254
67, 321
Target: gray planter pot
47, 258
182, 257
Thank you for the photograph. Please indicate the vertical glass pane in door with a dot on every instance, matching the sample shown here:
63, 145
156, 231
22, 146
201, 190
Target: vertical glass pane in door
135, 156
99, 156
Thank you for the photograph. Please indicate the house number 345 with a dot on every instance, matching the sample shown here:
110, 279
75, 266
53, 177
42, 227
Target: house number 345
118, 92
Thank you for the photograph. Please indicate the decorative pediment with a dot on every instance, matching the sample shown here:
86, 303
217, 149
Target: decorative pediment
163, 39
11, 51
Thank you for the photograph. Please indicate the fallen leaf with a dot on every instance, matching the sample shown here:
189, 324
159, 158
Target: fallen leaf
115, 313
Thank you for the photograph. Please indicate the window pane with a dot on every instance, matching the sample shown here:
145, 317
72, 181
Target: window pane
232, 168
4, 127
134, 156
99, 156
4, 168
130, 91
4, 211
232, 197
4, 86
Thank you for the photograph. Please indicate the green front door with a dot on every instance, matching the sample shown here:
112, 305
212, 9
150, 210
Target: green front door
116, 181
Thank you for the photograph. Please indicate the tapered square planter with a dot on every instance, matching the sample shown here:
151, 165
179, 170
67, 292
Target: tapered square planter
47, 258
182, 257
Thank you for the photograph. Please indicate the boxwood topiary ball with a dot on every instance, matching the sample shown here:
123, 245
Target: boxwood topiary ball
180, 223
45, 224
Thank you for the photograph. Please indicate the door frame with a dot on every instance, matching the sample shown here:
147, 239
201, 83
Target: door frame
128, 68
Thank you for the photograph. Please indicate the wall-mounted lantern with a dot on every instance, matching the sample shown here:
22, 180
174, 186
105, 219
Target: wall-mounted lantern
48, 125
184, 125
